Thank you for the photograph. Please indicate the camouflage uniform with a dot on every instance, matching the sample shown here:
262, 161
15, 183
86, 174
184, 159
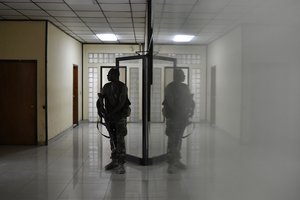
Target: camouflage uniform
117, 142
115, 96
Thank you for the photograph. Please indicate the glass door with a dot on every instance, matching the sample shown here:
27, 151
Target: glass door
146, 141
157, 137
137, 139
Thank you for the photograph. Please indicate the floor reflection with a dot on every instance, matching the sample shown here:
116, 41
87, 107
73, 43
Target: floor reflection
219, 167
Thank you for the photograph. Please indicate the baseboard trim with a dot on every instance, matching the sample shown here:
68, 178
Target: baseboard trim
61, 134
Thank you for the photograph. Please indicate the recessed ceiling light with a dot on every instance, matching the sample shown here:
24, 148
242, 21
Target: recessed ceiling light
80, 2
107, 37
183, 38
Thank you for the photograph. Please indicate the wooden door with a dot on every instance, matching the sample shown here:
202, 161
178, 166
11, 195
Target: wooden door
18, 102
75, 94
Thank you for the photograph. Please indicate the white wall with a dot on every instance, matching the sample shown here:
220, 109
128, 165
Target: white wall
258, 76
271, 74
62, 52
26, 40
225, 54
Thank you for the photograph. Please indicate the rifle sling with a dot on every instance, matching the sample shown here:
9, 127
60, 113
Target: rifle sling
99, 122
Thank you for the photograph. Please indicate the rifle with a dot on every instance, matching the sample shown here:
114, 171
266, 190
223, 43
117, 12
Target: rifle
102, 113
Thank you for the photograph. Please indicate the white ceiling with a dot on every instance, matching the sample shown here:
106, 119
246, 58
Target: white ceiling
83, 19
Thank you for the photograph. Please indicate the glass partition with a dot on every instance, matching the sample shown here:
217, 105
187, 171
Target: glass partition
168, 55
169, 73
136, 138
149, 73
104, 71
161, 77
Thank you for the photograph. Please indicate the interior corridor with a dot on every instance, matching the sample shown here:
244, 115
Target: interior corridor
220, 167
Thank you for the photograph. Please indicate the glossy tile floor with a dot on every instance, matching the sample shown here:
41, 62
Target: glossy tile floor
219, 168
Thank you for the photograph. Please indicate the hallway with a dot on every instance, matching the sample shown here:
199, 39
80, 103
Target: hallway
219, 168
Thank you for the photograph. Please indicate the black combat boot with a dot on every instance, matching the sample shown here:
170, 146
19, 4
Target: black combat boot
112, 165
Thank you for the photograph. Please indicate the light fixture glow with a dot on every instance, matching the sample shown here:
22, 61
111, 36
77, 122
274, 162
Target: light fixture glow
80, 2
107, 37
183, 38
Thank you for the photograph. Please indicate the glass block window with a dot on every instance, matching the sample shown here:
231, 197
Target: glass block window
134, 94
195, 89
183, 58
156, 100
108, 57
93, 90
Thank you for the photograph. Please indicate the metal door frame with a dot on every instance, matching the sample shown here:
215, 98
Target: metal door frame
145, 109
147, 73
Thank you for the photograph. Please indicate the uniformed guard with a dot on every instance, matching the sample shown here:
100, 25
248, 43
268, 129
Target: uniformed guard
116, 106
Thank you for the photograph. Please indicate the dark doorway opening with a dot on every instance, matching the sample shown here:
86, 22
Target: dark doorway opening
75, 95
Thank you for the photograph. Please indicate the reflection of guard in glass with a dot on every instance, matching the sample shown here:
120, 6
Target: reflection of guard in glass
178, 107
115, 109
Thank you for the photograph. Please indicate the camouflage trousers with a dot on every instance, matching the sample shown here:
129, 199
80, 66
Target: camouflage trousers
117, 132
174, 131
